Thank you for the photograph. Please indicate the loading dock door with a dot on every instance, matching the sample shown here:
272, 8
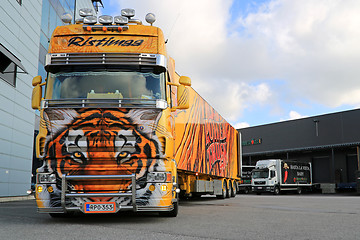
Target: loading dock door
351, 168
321, 169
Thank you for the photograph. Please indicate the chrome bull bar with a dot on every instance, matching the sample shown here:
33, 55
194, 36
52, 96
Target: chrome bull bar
65, 193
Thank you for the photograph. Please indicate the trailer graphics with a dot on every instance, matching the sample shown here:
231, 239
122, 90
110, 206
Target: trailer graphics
206, 142
293, 173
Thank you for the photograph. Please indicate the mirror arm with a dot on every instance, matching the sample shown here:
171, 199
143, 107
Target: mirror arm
172, 84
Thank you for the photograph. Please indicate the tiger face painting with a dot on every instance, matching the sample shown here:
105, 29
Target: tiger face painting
89, 142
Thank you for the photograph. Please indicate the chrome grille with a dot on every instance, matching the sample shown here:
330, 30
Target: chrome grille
54, 59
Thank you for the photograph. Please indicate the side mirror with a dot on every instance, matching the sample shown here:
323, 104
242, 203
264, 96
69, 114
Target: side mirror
183, 97
186, 81
37, 93
36, 80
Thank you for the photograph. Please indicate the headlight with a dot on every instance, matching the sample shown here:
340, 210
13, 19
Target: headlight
46, 178
159, 177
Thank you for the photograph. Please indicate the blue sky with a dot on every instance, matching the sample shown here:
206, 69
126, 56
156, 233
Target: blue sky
262, 61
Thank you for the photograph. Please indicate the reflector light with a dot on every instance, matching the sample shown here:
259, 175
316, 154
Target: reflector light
50, 189
152, 188
121, 20
106, 19
163, 188
128, 12
84, 12
90, 20
104, 29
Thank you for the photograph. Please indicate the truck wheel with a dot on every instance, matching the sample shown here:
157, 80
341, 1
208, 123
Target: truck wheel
276, 190
299, 190
172, 213
61, 215
233, 189
223, 192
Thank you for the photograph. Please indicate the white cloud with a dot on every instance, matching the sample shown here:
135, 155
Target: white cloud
295, 115
241, 125
313, 46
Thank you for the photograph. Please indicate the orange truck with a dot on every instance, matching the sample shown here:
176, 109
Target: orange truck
120, 129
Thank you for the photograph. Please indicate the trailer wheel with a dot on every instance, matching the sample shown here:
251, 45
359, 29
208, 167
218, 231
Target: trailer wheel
223, 192
299, 190
276, 190
233, 189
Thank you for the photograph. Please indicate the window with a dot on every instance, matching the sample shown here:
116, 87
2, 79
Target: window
9, 65
9, 73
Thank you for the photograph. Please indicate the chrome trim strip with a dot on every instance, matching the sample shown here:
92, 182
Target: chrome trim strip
104, 103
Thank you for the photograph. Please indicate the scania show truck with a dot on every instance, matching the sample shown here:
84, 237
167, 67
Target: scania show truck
120, 130
277, 175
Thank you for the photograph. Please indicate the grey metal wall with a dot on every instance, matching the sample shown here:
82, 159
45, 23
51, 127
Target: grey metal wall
328, 141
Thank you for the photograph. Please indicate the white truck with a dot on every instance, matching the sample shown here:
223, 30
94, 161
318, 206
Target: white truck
276, 175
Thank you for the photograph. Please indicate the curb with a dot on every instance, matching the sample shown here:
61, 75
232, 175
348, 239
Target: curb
18, 198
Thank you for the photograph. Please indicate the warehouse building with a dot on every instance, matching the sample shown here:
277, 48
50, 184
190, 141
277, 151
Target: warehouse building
25, 27
330, 142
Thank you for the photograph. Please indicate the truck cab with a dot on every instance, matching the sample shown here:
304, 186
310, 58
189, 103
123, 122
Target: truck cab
265, 177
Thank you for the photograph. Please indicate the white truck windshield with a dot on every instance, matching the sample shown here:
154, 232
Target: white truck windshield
263, 173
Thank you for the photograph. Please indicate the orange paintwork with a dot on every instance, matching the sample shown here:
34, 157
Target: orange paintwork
153, 40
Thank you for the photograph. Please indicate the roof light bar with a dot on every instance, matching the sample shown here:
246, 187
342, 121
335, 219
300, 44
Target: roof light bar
121, 20
106, 19
84, 12
127, 12
90, 20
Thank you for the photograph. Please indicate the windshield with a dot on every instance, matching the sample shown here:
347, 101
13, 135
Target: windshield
263, 173
106, 84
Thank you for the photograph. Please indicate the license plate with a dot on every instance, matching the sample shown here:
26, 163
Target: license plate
259, 187
105, 207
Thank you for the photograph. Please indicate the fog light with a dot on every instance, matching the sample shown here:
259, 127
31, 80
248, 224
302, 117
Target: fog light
163, 188
152, 188
39, 189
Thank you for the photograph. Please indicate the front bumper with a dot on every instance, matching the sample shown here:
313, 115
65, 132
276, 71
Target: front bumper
131, 194
262, 189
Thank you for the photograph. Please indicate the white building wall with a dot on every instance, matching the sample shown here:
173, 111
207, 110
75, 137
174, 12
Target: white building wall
20, 34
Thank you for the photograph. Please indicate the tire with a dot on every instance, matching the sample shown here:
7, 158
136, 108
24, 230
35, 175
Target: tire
276, 190
233, 189
223, 192
227, 190
172, 213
